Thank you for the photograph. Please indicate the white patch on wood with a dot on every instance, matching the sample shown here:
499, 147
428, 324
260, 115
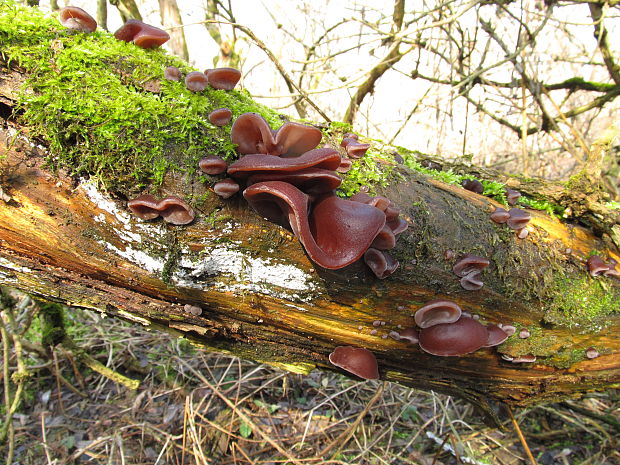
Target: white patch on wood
137, 257
262, 275
12, 266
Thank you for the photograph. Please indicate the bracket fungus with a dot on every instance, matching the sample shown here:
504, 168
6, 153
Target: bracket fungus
469, 263
226, 188
77, 19
597, 267
356, 360
518, 218
142, 34
500, 215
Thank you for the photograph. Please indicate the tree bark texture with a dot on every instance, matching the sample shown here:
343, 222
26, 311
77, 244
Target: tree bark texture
66, 240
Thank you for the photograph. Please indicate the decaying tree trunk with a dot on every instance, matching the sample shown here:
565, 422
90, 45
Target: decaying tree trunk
67, 240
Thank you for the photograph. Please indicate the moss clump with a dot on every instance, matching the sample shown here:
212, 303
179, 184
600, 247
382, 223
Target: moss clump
373, 169
103, 106
582, 302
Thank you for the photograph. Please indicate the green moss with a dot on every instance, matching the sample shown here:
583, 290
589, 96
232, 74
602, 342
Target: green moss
104, 108
582, 302
51, 322
373, 169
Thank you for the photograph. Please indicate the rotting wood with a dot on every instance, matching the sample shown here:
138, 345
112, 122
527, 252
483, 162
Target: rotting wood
263, 300
65, 240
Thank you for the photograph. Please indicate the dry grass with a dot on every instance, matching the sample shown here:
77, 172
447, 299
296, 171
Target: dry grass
194, 407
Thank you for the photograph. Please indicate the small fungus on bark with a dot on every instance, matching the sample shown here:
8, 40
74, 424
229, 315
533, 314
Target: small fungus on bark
469, 263
212, 164
518, 218
196, 81
220, 117
226, 188
512, 196
142, 34
453, 339
172, 209
473, 185
500, 216
496, 335
356, 360
172, 73
436, 312
223, 78
77, 19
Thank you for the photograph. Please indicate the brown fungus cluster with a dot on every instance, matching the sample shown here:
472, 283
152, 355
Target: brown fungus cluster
598, 267
515, 218
469, 268
290, 182
444, 330
142, 34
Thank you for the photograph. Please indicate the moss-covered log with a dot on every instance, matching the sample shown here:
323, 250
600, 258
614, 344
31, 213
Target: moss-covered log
66, 236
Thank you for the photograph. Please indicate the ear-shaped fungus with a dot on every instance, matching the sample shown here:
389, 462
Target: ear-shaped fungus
172, 209
472, 281
496, 336
381, 263
142, 34
454, 339
144, 207
176, 211
518, 218
223, 78
437, 312
220, 117
212, 164
172, 73
226, 188
196, 81
469, 263
330, 243
252, 134
77, 19
409, 335
359, 361
473, 185
596, 266
500, 216
512, 196
354, 148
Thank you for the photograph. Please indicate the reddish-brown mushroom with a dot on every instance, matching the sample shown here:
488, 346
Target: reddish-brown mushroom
356, 360
142, 34
223, 78
212, 164
381, 263
500, 216
409, 335
196, 81
172, 73
473, 185
252, 134
437, 312
596, 266
512, 196
469, 263
144, 207
453, 339
176, 211
226, 188
220, 117
496, 336
77, 19
472, 281
518, 218
330, 243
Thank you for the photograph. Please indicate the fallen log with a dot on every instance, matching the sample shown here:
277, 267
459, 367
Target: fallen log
232, 281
